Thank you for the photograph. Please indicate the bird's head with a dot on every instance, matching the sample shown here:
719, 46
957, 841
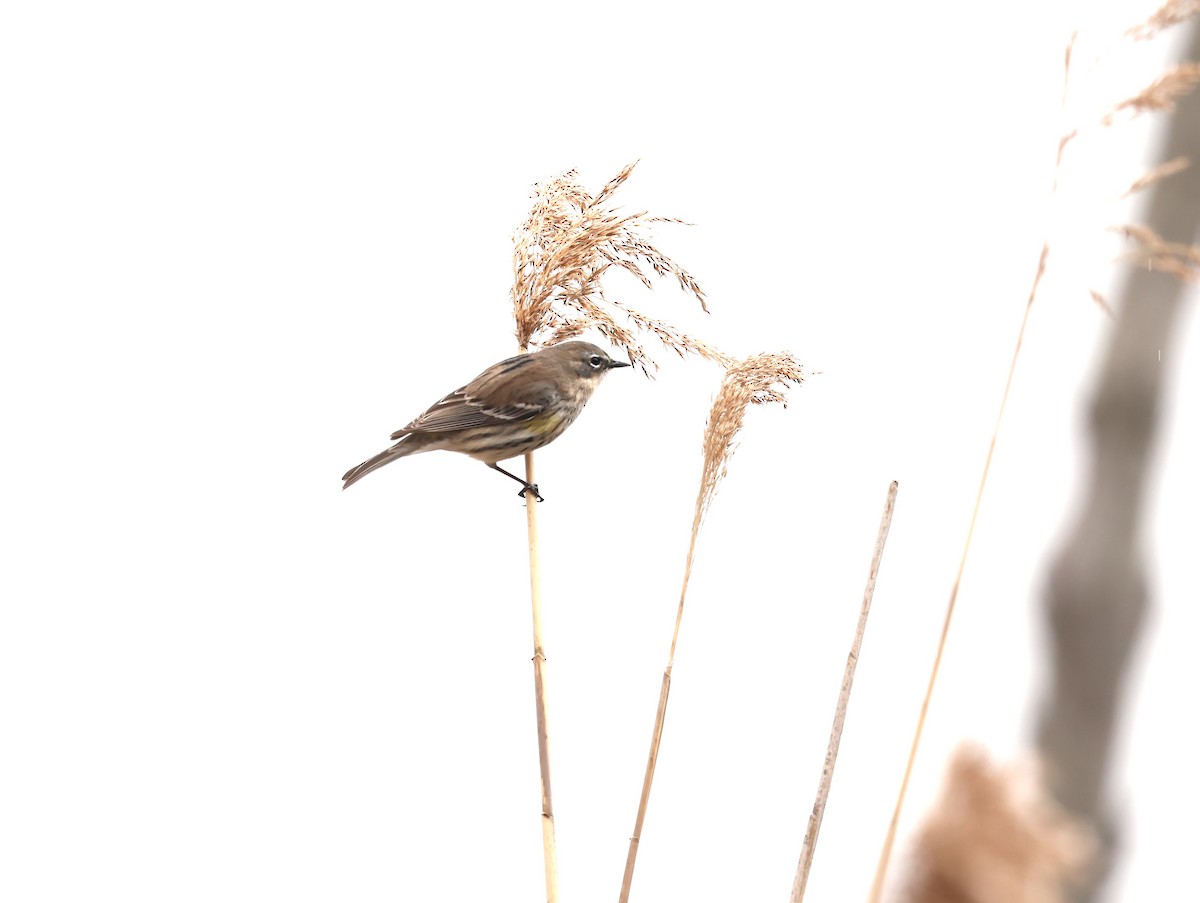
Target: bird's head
588, 361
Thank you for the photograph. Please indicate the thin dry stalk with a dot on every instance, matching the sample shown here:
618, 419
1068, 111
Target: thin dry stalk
560, 256
549, 847
1101, 302
759, 379
1068, 135
890, 838
839, 717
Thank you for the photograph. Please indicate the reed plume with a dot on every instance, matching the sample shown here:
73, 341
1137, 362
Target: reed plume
760, 379
561, 254
996, 837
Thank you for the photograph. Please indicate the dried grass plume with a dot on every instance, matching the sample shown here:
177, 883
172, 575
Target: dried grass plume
1170, 13
995, 837
1157, 174
1160, 95
562, 252
759, 379
1151, 250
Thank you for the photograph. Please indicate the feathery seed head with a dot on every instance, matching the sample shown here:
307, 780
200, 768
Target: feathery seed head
560, 255
759, 379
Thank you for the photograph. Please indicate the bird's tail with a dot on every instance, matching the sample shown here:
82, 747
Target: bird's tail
405, 447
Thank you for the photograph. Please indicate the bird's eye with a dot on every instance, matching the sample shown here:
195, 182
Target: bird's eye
596, 361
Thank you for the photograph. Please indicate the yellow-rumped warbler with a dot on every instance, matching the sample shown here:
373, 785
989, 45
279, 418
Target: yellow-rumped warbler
513, 407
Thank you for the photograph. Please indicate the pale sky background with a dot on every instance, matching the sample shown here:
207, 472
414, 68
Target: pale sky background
243, 242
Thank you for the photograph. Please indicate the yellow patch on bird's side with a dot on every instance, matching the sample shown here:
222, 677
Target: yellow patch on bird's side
546, 423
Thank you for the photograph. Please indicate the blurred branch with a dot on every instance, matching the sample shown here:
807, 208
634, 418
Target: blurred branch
1097, 598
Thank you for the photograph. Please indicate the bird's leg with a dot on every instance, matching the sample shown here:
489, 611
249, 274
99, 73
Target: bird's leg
529, 487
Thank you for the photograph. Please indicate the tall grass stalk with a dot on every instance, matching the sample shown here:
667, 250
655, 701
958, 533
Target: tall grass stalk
752, 381
893, 825
549, 848
839, 717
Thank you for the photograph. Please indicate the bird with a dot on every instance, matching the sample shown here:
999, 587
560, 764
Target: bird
515, 406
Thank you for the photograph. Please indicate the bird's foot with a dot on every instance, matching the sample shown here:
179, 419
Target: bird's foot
531, 487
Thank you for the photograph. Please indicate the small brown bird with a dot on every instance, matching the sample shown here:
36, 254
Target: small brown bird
513, 407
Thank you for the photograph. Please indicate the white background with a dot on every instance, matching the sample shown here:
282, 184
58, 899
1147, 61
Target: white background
242, 243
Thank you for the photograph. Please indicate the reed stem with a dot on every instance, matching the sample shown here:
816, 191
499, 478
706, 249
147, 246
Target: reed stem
549, 850
890, 839
659, 718
839, 717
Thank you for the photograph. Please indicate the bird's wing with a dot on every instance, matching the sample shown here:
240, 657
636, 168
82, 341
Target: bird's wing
460, 410
488, 399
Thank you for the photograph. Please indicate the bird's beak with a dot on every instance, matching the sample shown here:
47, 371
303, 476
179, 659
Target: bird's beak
612, 365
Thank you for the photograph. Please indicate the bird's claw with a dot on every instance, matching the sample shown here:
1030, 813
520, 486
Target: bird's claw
531, 487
